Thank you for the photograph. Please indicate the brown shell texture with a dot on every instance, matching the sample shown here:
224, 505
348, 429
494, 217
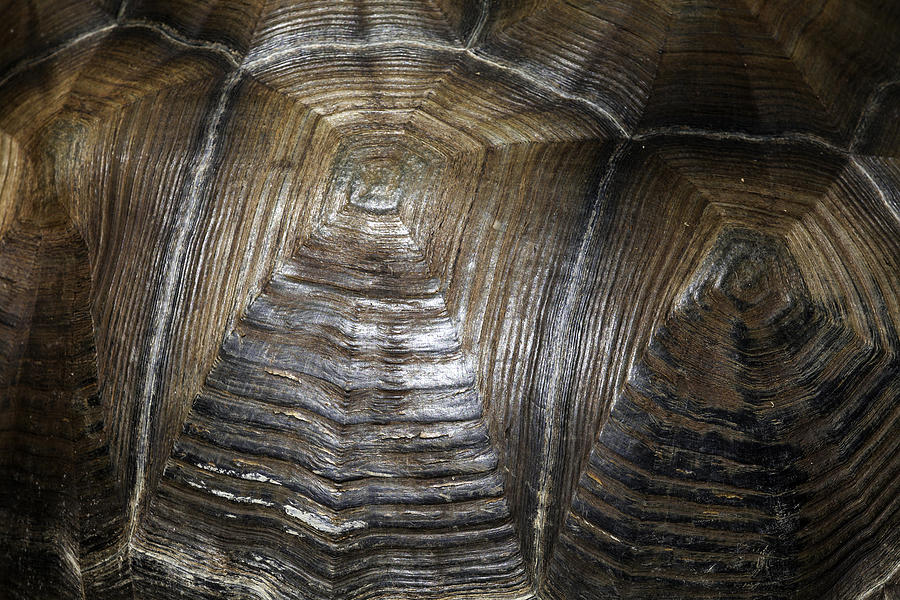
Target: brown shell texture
450, 299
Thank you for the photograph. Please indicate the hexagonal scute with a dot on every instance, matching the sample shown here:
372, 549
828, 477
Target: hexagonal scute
342, 420
749, 454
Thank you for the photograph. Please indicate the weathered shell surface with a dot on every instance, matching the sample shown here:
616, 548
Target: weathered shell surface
556, 299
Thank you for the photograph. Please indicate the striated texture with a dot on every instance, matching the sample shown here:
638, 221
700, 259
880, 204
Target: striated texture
736, 460
551, 299
336, 449
60, 500
729, 464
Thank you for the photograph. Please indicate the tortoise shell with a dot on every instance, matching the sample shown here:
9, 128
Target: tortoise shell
552, 299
